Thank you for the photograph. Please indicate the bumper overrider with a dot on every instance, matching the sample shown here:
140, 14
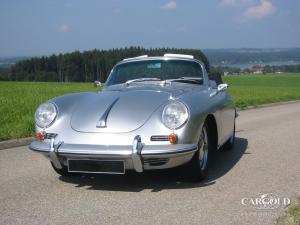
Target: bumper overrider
138, 157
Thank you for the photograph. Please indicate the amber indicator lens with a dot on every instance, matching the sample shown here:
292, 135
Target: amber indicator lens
172, 138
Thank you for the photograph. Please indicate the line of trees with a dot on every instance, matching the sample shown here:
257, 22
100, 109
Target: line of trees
5, 73
85, 66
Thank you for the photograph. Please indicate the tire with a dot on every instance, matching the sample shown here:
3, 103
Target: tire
230, 142
197, 169
63, 172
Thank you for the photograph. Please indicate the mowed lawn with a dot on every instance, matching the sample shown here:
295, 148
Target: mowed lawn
19, 100
253, 90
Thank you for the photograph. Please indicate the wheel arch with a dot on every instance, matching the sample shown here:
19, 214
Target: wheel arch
213, 129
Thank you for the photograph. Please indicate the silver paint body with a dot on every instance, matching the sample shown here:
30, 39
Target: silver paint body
137, 111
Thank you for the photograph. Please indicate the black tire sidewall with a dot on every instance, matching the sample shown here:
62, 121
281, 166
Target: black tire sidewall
193, 168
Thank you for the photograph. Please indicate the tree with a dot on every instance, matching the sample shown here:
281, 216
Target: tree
86, 66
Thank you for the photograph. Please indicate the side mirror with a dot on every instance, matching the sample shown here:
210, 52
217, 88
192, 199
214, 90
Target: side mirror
222, 87
97, 84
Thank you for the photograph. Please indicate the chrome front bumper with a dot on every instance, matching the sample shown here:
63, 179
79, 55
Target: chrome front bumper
136, 156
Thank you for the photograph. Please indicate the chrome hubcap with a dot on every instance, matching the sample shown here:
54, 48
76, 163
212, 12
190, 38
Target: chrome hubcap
203, 149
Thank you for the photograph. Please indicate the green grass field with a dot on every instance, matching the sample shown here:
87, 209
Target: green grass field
18, 100
253, 90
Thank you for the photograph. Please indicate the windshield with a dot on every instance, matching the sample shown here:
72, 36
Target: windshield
160, 69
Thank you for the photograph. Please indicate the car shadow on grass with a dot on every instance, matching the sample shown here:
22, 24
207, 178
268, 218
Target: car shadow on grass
158, 180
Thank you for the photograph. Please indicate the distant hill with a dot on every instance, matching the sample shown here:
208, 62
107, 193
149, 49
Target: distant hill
7, 62
244, 57
249, 57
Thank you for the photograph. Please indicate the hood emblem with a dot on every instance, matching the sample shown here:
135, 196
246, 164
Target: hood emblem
102, 121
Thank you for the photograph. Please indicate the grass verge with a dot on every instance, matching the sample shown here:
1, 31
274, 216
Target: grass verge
291, 216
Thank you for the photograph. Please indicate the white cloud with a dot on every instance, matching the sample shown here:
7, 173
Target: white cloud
65, 28
263, 9
231, 3
169, 5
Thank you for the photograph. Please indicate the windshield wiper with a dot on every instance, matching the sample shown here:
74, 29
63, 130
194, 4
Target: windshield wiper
142, 79
197, 80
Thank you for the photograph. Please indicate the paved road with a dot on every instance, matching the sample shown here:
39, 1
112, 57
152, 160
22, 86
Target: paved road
265, 160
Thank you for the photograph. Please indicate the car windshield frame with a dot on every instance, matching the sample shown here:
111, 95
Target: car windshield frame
164, 69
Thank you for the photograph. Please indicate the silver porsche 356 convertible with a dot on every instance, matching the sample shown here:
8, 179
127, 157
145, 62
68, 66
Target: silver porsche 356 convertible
153, 113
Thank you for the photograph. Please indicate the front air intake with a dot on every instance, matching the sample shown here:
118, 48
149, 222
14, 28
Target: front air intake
159, 138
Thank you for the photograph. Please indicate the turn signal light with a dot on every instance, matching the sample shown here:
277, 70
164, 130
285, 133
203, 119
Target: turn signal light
172, 138
40, 136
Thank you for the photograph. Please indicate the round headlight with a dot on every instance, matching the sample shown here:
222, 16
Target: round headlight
45, 114
175, 114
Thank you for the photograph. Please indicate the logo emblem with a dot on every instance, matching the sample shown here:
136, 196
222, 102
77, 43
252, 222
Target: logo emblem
266, 201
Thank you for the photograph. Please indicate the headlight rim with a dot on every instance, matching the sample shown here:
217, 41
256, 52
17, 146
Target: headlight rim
55, 118
185, 121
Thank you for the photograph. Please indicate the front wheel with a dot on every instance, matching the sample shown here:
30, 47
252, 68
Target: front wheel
197, 168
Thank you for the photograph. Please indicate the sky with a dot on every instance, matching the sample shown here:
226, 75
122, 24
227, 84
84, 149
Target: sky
43, 27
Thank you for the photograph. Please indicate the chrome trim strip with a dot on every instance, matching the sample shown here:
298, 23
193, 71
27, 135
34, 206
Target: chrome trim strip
159, 138
136, 154
38, 147
95, 149
52, 153
178, 56
172, 152
102, 121
123, 152
138, 57
169, 152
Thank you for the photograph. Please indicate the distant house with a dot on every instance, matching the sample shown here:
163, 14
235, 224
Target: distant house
257, 70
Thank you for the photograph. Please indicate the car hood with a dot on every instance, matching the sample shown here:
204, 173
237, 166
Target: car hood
124, 108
